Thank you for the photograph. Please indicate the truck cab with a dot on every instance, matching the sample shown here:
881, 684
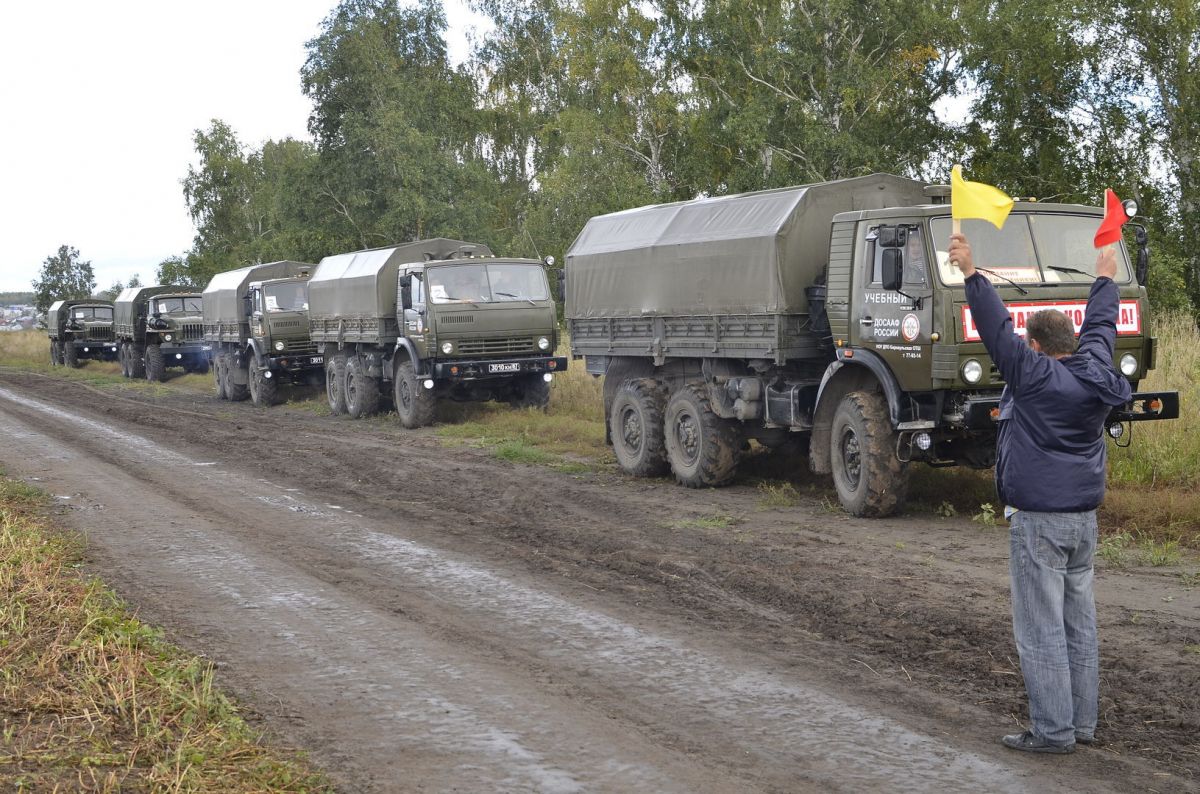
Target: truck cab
175, 334
80, 330
278, 314
903, 314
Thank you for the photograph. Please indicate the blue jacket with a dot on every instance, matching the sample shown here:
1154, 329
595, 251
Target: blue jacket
1051, 455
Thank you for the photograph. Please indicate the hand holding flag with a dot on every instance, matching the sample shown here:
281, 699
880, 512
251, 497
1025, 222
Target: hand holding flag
977, 200
1114, 218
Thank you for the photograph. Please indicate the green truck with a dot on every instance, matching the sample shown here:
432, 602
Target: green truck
435, 318
80, 330
159, 327
256, 322
825, 319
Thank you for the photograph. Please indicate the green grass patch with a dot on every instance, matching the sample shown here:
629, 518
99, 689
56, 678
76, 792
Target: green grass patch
93, 699
704, 522
776, 495
520, 452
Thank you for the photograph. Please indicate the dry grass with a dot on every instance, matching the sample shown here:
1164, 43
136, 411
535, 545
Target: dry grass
93, 699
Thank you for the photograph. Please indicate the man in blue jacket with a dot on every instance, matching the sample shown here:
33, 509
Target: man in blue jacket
1050, 474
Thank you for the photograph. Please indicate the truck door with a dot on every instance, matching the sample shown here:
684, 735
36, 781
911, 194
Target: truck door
896, 324
416, 320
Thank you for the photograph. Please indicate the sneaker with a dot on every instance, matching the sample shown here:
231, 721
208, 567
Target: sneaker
1032, 744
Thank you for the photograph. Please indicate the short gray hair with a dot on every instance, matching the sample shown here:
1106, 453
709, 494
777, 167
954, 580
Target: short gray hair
1053, 330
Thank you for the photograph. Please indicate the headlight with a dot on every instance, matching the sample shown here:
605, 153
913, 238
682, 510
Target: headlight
544, 343
447, 347
1129, 365
166, 337
972, 371
279, 345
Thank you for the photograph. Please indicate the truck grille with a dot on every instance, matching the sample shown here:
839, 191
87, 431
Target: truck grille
100, 332
488, 347
191, 332
298, 348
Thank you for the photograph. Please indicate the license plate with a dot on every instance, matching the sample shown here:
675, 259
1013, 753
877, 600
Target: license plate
514, 367
317, 360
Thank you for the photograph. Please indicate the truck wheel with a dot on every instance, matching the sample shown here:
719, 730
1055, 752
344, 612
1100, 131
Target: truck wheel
264, 391
54, 353
362, 391
234, 392
156, 368
530, 391
71, 355
137, 361
870, 480
702, 448
123, 359
414, 403
636, 427
219, 376
200, 366
335, 383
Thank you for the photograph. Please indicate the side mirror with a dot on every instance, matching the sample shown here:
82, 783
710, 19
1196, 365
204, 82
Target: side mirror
247, 305
893, 268
1142, 267
893, 236
406, 302
561, 286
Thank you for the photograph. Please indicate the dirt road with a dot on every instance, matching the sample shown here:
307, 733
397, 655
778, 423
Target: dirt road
423, 618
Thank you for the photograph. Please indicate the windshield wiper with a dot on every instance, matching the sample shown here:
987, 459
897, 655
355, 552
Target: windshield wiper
1067, 270
1020, 289
510, 295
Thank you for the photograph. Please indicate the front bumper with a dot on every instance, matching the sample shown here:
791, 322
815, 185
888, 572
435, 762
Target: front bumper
496, 368
296, 363
982, 413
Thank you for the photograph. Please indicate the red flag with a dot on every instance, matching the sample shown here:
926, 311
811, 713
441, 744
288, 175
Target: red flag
1114, 218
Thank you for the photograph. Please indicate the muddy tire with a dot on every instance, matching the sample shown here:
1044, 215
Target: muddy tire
362, 391
636, 427
264, 391
414, 403
71, 355
702, 448
156, 368
54, 362
218, 370
137, 361
530, 391
335, 383
869, 479
123, 359
234, 392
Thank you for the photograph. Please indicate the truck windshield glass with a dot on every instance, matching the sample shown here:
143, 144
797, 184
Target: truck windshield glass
185, 305
498, 282
287, 297
92, 313
1027, 248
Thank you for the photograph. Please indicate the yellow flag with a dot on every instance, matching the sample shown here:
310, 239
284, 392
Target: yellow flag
977, 200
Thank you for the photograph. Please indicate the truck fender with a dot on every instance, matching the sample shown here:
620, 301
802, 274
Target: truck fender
865, 371
256, 350
410, 350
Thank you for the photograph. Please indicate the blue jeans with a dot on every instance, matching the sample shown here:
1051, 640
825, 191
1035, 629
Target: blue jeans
1054, 620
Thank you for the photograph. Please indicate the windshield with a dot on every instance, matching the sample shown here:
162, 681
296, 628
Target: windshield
92, 313
289, 296
190, 304
497, 282
1027, 249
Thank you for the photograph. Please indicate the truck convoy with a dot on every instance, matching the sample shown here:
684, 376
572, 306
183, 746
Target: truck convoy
80, 330
436, 319
159, 327
824, 317
256, 321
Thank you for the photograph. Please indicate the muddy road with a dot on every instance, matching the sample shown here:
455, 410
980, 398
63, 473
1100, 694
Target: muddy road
424, 618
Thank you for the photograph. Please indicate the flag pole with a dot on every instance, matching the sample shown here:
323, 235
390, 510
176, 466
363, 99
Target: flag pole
956, 223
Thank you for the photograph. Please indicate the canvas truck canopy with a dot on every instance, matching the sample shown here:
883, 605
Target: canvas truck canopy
362, 284
224, 293
745, 254
125, 306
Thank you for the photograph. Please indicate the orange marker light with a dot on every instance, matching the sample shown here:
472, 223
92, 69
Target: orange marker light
995, 414
1156, 405
849, 354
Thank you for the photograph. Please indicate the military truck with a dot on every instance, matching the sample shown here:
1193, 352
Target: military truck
256, 320
159, 327
436, 319
80, 330
825, 319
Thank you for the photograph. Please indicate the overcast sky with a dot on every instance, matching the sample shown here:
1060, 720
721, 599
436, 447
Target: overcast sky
99, 102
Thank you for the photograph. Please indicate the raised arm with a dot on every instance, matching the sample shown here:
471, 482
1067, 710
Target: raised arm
1011, 354
1098, 335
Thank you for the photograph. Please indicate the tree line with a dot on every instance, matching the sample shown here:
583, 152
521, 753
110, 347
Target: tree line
571, 108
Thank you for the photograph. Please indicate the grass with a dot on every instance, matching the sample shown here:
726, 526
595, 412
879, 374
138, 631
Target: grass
775, 495
705, 522
93, 699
